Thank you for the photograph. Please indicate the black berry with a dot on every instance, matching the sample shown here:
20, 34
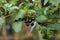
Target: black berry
27, 24
16, 20
29, 21
32, 24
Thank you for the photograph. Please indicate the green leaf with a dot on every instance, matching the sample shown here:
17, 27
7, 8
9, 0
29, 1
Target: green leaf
41, 19
21, 14
54, 2
17, 26
26, 8
55, 26
2, 2
7, 7
38, 11
31, 12
50, 10
49, 34
13, 8
38, 3
13, 1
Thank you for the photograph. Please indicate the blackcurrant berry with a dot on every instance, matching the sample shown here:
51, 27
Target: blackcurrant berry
19, 19
29, 21
16, 20
40, 23
27, 24
44, 24
32, 24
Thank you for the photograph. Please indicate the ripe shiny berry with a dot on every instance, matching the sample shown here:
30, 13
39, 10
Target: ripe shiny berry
29, 21
32, 24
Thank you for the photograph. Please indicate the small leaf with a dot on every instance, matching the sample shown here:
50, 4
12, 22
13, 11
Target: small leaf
31, 12
55, 26
13, 8
41, 19
50, 10
13, 1
17, 26
38, 11
54, 2
21, 14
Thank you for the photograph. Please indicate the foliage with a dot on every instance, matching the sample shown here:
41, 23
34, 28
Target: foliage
48, 15
42, 19
17, 26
